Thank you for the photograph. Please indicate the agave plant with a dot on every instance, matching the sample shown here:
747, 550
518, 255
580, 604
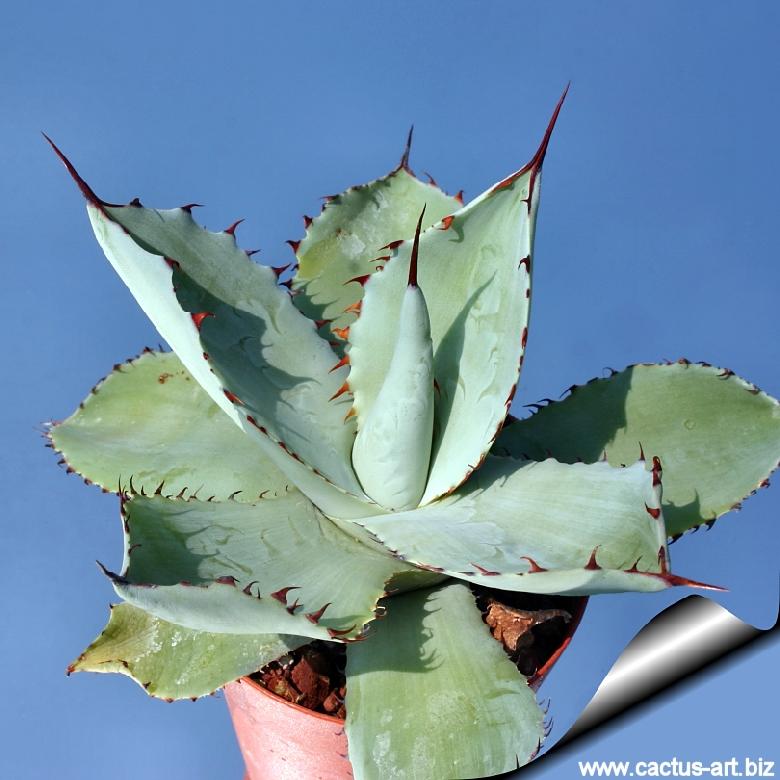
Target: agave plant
331, 444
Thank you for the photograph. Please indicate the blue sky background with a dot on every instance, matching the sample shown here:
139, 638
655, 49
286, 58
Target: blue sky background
656, 239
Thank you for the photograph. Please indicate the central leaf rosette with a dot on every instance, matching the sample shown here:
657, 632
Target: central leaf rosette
373, 389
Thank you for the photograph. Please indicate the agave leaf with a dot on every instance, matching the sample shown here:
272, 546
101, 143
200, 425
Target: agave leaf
432, 694
262, 568
273, 404
149, 420
173, 662
279, 398
261, 339
352, 231
392, 449
717, 435
474, 270
541, 528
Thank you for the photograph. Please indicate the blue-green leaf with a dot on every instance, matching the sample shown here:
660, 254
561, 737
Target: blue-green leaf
542, 527
432, 695
277, 566
174, 662
718, 436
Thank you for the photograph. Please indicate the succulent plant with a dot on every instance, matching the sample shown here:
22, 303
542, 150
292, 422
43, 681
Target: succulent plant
330, 444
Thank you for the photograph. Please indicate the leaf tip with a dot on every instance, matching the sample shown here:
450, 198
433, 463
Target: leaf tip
404, 162
85, 189
415, 251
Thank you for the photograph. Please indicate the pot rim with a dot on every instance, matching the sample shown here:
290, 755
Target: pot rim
305, 710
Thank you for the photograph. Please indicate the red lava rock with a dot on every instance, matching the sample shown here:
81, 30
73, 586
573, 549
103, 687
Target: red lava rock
512, 626
311, 676
530, 627
314, 688
277, 683
332, 702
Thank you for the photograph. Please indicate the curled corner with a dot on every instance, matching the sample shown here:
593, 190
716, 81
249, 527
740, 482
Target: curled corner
688, 637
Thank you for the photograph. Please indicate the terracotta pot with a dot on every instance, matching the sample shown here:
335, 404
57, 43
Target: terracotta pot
282, 741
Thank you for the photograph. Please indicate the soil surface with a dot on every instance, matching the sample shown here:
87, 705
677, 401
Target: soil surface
530, 627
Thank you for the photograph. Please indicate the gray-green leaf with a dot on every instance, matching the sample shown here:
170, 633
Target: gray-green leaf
151, 422
344, 241
718, 436
277, 566
174, 662
432, 695
541, 528
475, 272
161, 254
